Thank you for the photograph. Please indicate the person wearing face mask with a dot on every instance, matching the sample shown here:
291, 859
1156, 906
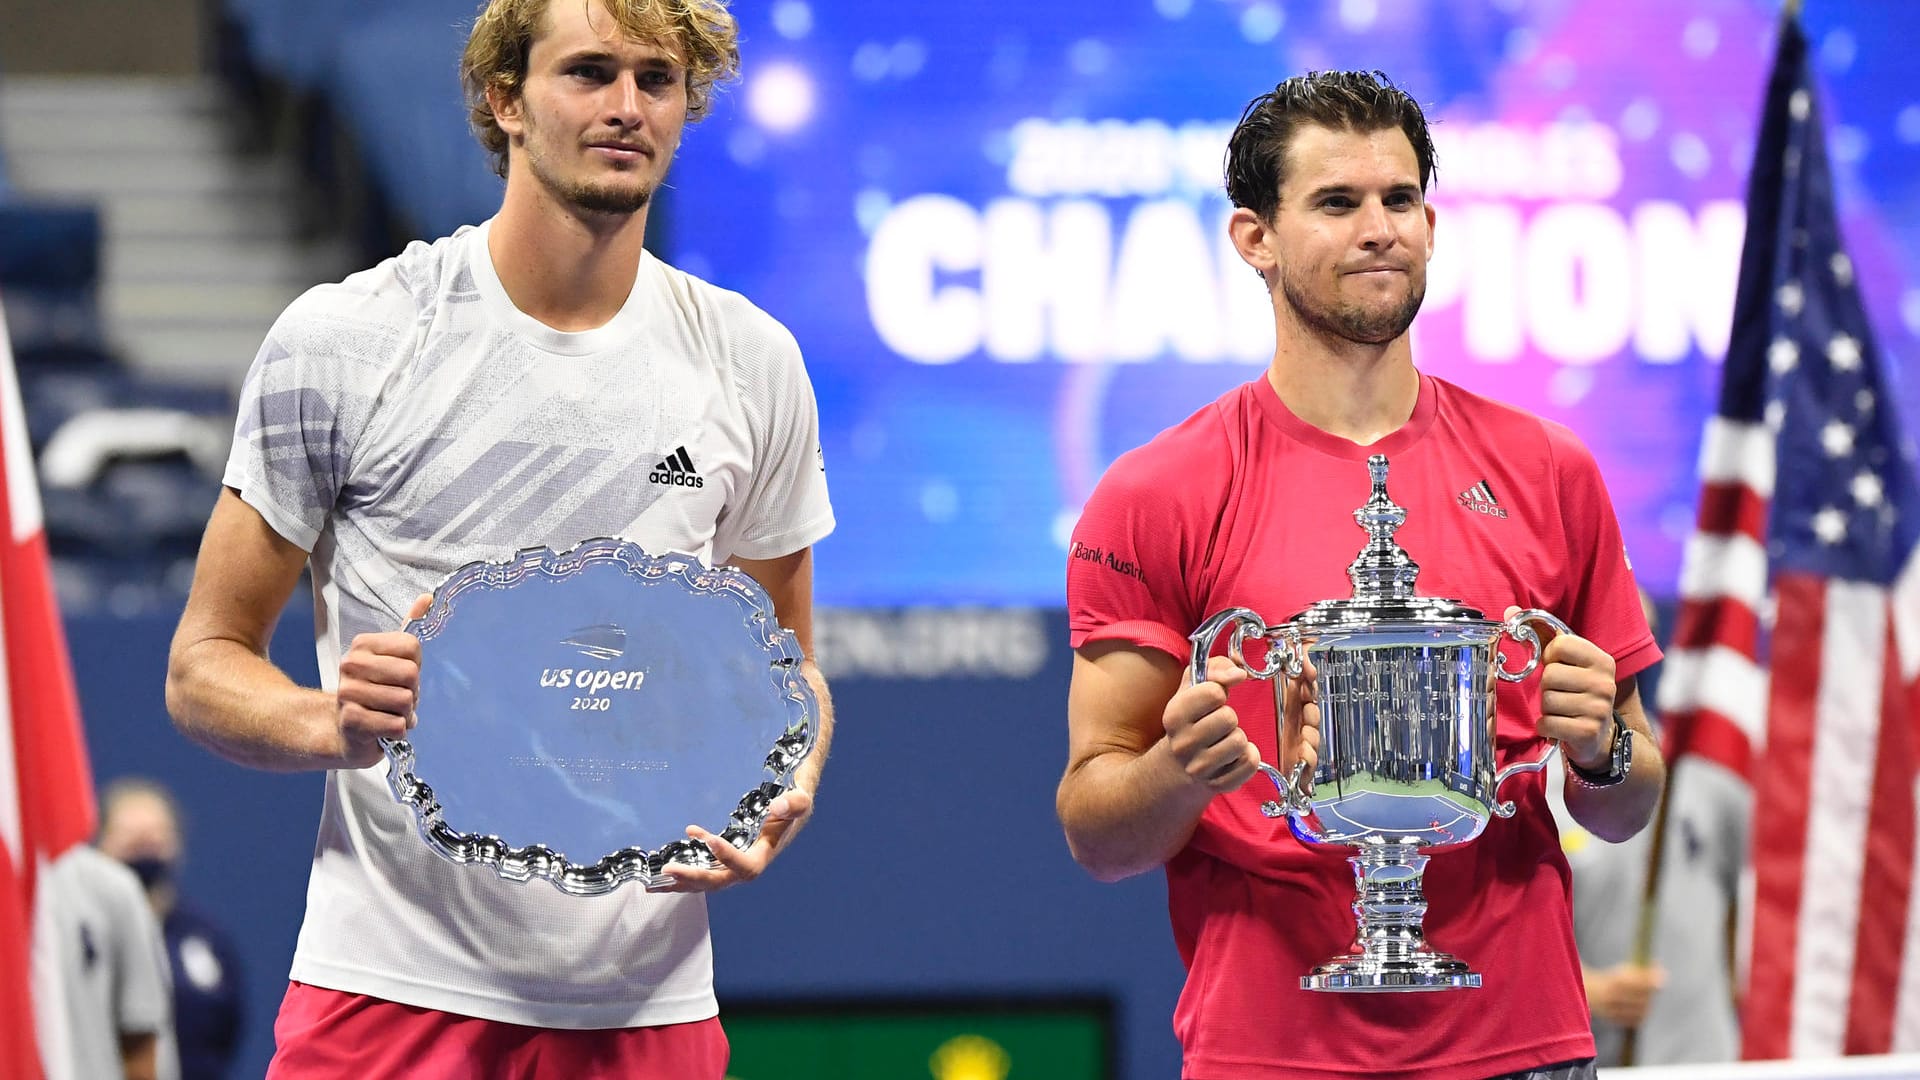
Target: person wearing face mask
99, 974
140, 826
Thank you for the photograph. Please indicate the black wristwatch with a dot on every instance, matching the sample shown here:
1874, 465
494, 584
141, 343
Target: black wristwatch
1619, 762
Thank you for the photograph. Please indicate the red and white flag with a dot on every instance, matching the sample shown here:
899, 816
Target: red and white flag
46, 788
1796, 658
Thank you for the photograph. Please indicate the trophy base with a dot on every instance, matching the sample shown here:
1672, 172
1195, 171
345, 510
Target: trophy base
1362, 974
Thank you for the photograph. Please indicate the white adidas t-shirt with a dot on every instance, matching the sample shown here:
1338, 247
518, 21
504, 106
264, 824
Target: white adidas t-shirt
410, 420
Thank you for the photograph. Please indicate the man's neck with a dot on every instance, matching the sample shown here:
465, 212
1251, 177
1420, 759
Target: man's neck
1359, 392
570, 270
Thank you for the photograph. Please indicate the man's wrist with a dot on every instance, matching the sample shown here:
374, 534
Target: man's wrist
1601, 758
1613, 767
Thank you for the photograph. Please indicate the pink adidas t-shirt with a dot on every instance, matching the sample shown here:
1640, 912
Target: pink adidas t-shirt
1245, 505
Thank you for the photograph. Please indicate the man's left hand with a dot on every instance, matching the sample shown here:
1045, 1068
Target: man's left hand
1577, 691
784, 814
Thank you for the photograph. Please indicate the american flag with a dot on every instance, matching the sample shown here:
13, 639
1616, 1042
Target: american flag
46, 788
1798, 643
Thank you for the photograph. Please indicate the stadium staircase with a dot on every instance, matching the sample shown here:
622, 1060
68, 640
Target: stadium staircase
200, 241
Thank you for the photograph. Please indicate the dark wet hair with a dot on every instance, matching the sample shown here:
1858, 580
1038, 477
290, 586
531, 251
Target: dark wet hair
1361, 101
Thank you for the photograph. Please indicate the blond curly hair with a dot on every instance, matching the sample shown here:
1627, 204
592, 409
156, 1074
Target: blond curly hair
702, 32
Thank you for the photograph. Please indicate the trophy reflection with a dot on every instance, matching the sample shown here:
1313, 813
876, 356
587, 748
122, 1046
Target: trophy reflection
1405, 686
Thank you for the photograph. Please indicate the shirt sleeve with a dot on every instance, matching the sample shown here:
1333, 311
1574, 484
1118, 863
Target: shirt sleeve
307, 398
1728, 799
1603, 599
785, 507
1135, 553
143, 988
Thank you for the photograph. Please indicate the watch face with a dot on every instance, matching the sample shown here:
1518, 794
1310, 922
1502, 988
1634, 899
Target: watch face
1622, 749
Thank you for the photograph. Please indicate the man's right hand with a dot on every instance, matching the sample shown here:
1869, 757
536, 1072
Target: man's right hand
379, 687
1621, 994
1203, 731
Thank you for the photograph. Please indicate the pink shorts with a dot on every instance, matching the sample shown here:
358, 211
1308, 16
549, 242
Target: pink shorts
331, 1034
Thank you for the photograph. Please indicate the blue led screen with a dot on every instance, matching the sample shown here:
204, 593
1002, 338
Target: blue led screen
997, 231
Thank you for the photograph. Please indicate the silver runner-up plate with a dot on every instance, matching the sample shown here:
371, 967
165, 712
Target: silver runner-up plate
578, 710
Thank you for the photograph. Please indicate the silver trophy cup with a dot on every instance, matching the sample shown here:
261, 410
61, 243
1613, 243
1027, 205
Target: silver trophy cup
1405, 689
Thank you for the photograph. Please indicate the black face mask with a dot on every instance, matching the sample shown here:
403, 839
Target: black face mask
151, 871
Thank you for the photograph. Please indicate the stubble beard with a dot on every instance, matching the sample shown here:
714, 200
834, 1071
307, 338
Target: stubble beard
606, 200
1364, 325
593, 198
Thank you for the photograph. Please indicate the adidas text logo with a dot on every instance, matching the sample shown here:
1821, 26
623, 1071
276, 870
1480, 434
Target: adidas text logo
1480, 497
676, 470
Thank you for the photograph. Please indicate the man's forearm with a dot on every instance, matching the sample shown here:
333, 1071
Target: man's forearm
1616, 813
1125, 814
239, 705
807, 776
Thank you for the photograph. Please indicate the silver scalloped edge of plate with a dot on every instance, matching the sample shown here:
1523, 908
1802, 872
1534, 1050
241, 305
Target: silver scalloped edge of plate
635, 864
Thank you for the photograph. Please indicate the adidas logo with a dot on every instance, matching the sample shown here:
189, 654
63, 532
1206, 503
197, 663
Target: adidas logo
676, 470
1480, 497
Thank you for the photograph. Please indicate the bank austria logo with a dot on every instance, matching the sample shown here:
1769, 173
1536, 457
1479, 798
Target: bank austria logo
676, 470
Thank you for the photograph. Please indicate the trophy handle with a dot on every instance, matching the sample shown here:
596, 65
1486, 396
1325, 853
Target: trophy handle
1280, 660
1518, 629
1505, 809
1293, 798
1243, 621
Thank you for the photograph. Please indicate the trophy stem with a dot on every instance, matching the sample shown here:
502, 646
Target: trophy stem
1390, 950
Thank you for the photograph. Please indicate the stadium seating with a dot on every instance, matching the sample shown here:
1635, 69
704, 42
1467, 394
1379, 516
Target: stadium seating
129, 465
368, 98
382, 77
